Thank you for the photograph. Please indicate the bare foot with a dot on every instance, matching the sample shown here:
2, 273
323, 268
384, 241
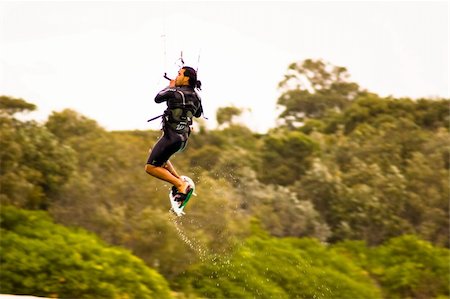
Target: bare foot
183, 187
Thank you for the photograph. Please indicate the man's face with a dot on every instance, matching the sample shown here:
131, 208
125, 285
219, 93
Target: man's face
181, 80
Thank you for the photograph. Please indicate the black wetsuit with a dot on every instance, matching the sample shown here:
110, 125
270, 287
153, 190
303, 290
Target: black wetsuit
183, 103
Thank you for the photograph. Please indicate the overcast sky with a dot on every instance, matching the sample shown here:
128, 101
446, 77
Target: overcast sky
106, 59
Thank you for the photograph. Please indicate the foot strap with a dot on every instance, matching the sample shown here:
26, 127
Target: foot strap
183, 198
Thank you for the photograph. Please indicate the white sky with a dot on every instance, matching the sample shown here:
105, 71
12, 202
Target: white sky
106, 59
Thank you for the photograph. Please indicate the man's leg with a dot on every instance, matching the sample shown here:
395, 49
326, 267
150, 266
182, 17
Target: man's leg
162, 151
169, 166
165, 173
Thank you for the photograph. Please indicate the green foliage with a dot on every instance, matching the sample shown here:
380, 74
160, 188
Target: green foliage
111, 195
224, 153
285, 157
382, 173
95, 147
225, 115
405, 267
369, 203
34, 164
376, 111
69, 124
10, 106
280, 211
265, 267
44, 259
409, 267
311, 88
345, 165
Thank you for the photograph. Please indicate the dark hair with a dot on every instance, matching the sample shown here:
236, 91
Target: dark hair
192, 74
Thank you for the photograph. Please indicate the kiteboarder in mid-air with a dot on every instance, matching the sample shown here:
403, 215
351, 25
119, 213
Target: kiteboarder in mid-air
183, 103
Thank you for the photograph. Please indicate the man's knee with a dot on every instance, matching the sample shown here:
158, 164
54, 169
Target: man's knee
149, 168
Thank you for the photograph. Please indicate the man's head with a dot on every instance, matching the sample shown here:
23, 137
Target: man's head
187, 76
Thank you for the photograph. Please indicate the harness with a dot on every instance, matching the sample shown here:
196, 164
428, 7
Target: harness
178, 119
178, 116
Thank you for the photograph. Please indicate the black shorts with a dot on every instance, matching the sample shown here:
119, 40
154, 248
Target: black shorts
168, 144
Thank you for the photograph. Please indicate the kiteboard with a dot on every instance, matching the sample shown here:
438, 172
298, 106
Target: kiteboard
178, 207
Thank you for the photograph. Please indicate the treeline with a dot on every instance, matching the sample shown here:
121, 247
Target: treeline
343, 164
42, 258
268, 267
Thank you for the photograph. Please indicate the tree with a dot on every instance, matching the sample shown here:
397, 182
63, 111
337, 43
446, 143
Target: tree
404, 267
407, 267
386, 176
45, 259
281, 212
370, 109
311, 88
225, 115
69, 123
427, 207
34, 164
10, 106
285, 157
265, 267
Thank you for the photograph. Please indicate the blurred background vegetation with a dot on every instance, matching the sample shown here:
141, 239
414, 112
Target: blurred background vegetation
348, 197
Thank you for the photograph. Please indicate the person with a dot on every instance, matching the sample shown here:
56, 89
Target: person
183, 103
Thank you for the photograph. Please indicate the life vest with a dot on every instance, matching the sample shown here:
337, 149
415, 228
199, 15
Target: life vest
178, 119
181, 109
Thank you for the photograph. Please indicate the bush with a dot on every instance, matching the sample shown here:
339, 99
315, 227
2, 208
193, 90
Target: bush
266, 267
404, 267
408, 267
41, 258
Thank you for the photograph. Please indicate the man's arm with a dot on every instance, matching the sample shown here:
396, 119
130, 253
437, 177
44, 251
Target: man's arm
166, 93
